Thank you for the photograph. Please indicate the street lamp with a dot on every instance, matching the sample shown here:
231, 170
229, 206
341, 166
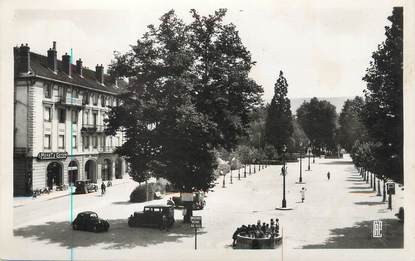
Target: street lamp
284, 172
313, 155
230, 166
300, 180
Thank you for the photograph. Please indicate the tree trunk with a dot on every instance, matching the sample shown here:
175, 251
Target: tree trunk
374, 182
189, 211
384, 191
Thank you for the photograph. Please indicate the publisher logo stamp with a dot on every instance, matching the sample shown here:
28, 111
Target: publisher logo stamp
377, 228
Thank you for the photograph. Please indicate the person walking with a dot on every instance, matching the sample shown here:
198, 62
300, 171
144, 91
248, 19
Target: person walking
163, 226
103, 188
302, 192
328, 175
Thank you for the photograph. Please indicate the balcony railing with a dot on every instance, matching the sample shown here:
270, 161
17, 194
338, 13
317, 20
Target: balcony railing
92, 128
70, 101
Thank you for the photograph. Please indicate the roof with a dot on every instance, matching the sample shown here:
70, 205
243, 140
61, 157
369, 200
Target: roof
158, 206
87, 212
39, 67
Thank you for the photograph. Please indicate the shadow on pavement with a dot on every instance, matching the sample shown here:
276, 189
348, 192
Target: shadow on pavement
362, 191
124, 203
359, 187
342, 162
361, 236
354, 180
119, 236
369, 203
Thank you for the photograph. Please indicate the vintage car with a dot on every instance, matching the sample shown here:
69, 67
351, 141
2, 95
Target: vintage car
89, 221
198, 201
152, 216
85, 186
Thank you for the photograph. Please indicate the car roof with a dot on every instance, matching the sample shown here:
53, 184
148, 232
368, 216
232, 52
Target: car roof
87, 212
158, 206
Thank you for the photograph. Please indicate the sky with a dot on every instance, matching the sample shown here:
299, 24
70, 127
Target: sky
323, 49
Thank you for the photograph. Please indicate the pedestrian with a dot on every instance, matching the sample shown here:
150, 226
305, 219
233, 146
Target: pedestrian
163, 226
103, 188
302, 192
328, 175
184, 214
170, 202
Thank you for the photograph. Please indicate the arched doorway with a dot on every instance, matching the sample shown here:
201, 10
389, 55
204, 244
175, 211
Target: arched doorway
91, 170
54, 174
106, 170
72, 172
118, 168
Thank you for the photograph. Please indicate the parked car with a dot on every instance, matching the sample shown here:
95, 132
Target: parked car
152, 216
85, 186
198, 201
89, 221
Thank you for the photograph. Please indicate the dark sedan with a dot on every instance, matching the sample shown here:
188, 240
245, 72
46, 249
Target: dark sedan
89, 221
153, 216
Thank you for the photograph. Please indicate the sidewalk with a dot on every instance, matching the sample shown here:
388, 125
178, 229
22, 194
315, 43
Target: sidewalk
24, 200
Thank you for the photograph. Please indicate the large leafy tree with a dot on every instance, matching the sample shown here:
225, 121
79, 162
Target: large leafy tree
318, 120
278, 124
351, 126
188, 93
383, 110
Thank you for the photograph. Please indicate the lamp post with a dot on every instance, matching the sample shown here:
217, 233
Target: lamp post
284, 172
300, 180
312, 151
230, 166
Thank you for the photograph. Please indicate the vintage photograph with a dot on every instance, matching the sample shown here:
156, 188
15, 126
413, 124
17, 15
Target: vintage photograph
267, 130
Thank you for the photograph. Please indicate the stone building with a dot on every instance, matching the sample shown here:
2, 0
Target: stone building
59, 112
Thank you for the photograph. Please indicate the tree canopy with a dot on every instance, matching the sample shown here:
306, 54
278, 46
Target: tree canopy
382, 113
188, 92
278, 124
351, 126
318, 120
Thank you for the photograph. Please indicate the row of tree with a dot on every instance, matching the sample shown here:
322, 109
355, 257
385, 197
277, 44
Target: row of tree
371, 129
377, 122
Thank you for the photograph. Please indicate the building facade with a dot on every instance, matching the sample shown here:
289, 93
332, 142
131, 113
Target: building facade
59, 132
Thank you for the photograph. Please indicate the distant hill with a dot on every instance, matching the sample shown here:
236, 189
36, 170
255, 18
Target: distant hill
336, 101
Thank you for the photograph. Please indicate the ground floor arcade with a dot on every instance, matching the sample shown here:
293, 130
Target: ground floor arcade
34, 173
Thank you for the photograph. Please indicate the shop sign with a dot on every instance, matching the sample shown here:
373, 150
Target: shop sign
52, 155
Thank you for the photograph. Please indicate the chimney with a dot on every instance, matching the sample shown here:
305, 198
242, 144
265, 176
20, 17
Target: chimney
99, 73
66, 64
52, 58
79, 67
24, 64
